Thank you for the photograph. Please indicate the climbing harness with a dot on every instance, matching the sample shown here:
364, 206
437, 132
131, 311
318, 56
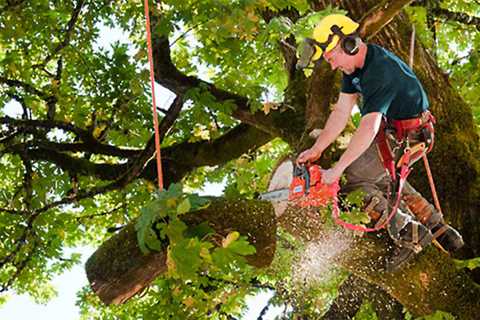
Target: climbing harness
398, 153
154, 105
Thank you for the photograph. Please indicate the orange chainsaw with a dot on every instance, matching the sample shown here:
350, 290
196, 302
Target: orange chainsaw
306, 188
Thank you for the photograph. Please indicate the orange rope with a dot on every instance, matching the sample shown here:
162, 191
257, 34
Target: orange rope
432, 184
425, 159
154, 105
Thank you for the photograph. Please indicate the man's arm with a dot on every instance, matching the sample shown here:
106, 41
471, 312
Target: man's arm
335, 124
361, 140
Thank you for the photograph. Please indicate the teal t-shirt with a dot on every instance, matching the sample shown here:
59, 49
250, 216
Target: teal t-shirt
387, 85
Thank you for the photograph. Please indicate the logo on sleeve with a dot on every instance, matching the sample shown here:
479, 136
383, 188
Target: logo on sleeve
356, 84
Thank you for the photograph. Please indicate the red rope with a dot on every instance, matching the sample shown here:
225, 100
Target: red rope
154, 105
432, 184
336, 210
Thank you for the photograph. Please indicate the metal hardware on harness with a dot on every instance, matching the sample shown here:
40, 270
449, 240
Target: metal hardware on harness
399, 168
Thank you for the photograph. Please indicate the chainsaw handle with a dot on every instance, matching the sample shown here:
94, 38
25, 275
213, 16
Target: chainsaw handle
302, 171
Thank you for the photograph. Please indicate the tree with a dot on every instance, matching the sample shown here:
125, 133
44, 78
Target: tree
77, 163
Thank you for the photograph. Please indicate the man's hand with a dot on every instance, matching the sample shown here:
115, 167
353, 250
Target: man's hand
331, 175
308, 155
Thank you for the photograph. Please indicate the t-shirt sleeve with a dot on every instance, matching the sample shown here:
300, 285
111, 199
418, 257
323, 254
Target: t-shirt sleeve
347, 85
378, 96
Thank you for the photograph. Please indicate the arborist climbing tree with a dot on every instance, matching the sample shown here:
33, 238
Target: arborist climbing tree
78, 165
396, 130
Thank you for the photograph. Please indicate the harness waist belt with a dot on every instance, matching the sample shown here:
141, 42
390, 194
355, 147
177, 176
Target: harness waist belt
414, 123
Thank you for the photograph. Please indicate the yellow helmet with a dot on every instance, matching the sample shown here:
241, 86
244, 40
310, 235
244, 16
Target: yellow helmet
326, 35
330, 30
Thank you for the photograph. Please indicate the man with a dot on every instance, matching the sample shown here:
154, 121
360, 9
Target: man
390, 93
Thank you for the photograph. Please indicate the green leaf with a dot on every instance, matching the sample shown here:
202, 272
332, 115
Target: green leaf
355, 216
355, 198
242, 247
197, 202
469, 264
174, 191
143, 226
200, 231
151, 241
223, 258
366, 312
186, 254
175, 229
184, 206
281, 25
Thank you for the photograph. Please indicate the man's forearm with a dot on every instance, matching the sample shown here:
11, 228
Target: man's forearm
360, 141
336, 122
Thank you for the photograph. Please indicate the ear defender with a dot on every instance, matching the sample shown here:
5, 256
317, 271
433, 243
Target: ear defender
350, 44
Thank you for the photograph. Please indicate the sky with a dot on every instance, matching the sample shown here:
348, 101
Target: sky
20, 307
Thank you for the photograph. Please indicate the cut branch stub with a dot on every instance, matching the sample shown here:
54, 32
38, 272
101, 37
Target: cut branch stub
118, 269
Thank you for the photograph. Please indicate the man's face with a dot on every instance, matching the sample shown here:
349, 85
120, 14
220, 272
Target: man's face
337, 58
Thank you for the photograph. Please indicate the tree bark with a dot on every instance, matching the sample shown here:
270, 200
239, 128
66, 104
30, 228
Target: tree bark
354, 292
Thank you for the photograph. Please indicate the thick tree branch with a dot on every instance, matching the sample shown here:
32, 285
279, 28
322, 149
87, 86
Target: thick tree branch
56, 147
432, 282
75, 165
124, 278
25, 86
181, 159
33, 125
227, 147
379, 16
178, 159
457, 16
